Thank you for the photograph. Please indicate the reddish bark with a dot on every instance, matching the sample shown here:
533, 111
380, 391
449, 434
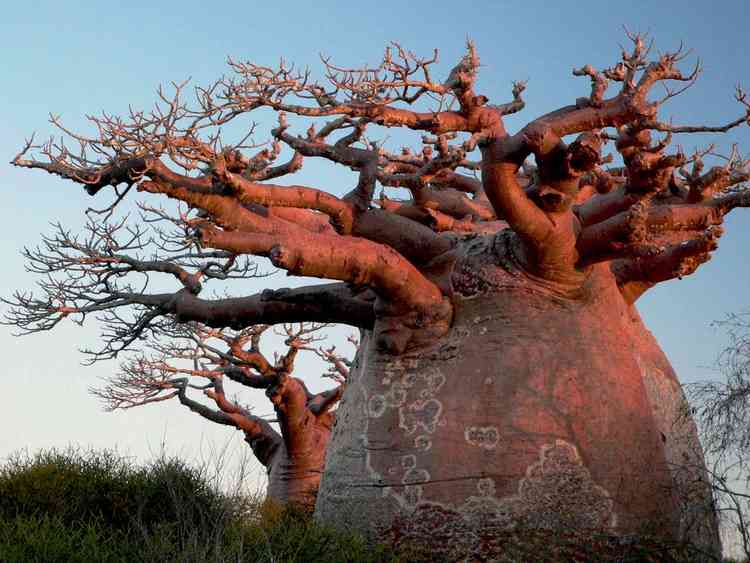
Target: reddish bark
294, 455
504, 356
538, 410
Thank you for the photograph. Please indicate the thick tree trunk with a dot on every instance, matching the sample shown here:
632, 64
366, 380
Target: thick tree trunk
294, 478
539, 409
295, 481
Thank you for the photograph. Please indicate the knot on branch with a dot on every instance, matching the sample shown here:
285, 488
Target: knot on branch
283, 257
464, 73
584, 154
637, 223
697, 251
539, 138
599, 84
398, 329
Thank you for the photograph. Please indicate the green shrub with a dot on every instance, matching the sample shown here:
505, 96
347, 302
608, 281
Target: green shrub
84, 486
94, 506
49, 539
289, 535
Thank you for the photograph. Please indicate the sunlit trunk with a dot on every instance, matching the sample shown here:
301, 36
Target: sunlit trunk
538, 410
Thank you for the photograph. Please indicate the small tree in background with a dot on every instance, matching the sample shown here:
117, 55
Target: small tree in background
294, 456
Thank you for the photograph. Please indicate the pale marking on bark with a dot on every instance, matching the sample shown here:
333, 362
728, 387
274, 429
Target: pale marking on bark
424, 414
376, 406
556, 481
395, 397
423, 442
413, 477
421, 416
541, 489
543, 492
486, 437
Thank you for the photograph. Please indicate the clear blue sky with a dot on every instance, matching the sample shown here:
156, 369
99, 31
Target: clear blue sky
75, 58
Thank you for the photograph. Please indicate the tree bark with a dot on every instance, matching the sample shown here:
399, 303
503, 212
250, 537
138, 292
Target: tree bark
293, 464
542, 408
295, 477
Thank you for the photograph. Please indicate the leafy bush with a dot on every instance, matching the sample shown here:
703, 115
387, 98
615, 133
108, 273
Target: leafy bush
49, 539
86, 506
81, 487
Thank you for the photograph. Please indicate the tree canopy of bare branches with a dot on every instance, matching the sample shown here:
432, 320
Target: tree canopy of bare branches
540, 230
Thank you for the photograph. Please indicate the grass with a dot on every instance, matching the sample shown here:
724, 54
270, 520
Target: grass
75, 506
78, 506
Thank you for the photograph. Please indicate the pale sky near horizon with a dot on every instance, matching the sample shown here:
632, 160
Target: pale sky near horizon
76, 58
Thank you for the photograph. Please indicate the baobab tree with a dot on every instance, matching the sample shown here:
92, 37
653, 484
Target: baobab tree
504, 379
293, 456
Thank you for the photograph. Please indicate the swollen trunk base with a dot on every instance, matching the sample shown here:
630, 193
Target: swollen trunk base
536, 411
